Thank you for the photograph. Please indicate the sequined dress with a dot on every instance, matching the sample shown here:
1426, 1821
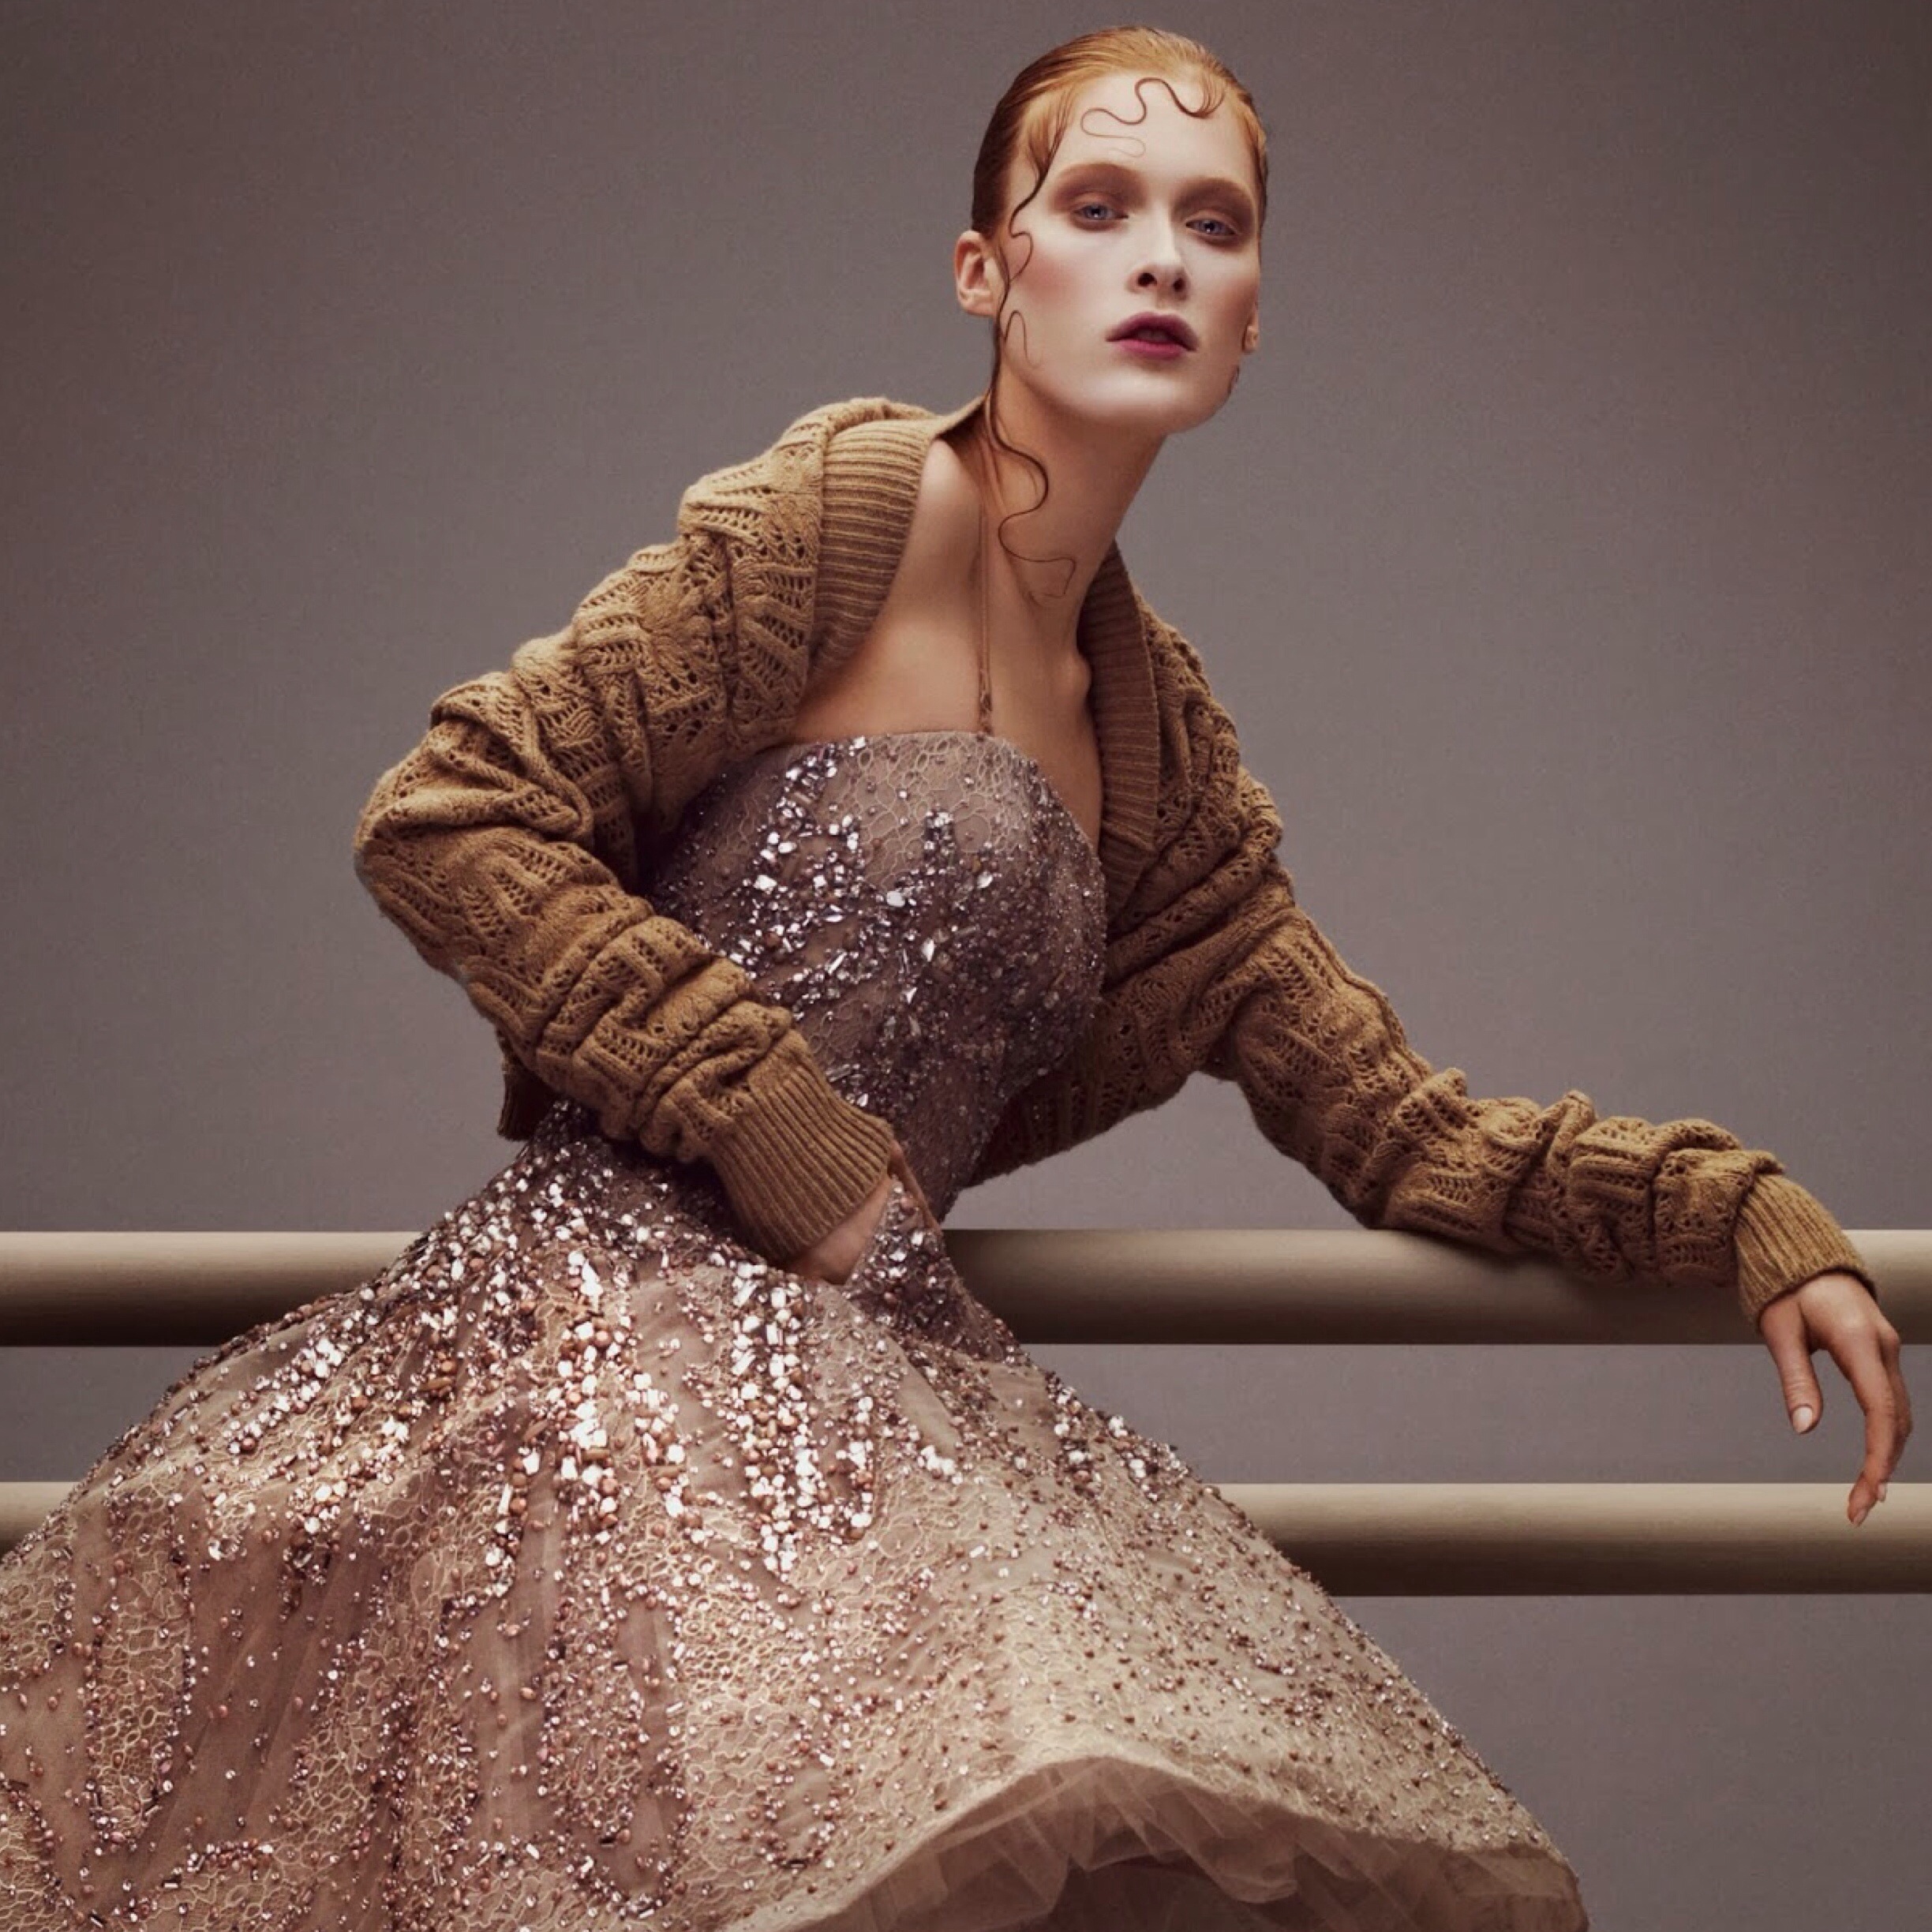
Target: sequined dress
583, 1570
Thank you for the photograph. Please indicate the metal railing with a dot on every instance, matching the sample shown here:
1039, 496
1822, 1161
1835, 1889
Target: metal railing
1361, 1539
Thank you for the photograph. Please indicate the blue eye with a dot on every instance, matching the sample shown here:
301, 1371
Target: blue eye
1080, 208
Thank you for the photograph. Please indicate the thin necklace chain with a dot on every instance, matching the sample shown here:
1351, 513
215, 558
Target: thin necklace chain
986, 646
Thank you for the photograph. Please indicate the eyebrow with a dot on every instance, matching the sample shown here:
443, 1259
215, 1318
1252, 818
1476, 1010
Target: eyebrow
1117, 171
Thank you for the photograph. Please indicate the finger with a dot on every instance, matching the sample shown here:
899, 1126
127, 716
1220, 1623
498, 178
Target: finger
1901, 1398
902, 1166
1782, 1325
1859, 1359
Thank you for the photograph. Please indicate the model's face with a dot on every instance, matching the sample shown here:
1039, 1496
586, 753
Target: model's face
1144, 208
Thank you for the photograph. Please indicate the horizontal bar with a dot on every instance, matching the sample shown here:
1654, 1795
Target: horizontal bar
1356, 1285
1594, 1539
1236, 1284
178, 1289
1532, 1539
25, 1504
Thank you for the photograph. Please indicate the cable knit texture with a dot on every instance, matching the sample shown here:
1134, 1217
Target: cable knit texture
507, 846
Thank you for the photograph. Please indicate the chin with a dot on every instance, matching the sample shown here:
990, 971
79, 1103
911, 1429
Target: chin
1207, 408
1144, 403
1171, 415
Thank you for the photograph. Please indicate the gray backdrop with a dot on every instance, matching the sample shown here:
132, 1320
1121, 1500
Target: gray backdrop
1563, 556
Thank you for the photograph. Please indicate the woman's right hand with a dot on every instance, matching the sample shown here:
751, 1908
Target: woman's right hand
836, 1253
834, 1256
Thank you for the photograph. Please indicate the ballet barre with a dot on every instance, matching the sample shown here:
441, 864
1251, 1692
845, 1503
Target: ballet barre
1194, 1285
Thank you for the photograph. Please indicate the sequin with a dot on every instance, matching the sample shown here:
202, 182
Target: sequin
584, 1569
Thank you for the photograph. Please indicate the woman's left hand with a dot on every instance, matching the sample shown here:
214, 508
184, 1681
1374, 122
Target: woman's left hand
1836, 1311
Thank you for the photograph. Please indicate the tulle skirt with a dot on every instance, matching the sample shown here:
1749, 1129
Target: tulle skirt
583, 1570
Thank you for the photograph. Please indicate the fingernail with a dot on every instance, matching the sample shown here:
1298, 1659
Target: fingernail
1802, 1418
1884, 1489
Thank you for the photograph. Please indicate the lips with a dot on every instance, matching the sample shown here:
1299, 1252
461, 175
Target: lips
1151, 325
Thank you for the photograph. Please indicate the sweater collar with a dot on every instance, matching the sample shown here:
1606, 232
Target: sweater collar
875, 450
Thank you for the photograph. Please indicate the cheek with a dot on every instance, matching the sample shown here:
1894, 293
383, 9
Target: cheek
1047, 287
1229, 286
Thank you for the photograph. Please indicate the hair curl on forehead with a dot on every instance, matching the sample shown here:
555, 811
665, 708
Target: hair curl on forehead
1035, 111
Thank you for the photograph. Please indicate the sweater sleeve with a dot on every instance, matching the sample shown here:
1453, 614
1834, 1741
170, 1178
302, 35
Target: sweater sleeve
1330, 1078
1217, 968
502, 845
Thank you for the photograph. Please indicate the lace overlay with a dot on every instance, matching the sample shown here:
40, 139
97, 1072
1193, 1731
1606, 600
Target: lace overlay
584, 1570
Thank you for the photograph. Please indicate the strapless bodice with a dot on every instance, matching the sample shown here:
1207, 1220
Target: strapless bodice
923, 904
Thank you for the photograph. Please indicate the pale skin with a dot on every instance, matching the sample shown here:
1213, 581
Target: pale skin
1143, 207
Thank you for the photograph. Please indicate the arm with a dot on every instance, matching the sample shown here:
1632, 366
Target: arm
1214, 966
502, 845
1330, 1079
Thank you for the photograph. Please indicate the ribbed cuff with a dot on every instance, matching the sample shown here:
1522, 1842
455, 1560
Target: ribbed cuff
1785, 1236
799, 1160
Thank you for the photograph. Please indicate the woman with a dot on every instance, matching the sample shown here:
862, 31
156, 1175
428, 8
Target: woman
667, 1537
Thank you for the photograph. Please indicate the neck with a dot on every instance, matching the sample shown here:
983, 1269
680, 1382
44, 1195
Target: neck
1050, 552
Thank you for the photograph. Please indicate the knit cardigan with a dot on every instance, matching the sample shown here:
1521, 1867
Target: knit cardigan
507, 846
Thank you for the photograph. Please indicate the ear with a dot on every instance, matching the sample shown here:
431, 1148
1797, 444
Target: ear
1251, 336
976, 278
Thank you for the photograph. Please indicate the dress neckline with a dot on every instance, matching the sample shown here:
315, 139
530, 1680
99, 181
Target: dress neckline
853, 741
1025, 759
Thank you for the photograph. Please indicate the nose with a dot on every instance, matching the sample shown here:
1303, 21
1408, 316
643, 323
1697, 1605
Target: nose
1161, 266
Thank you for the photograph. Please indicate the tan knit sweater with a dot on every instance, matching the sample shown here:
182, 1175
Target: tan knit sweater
506, 845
